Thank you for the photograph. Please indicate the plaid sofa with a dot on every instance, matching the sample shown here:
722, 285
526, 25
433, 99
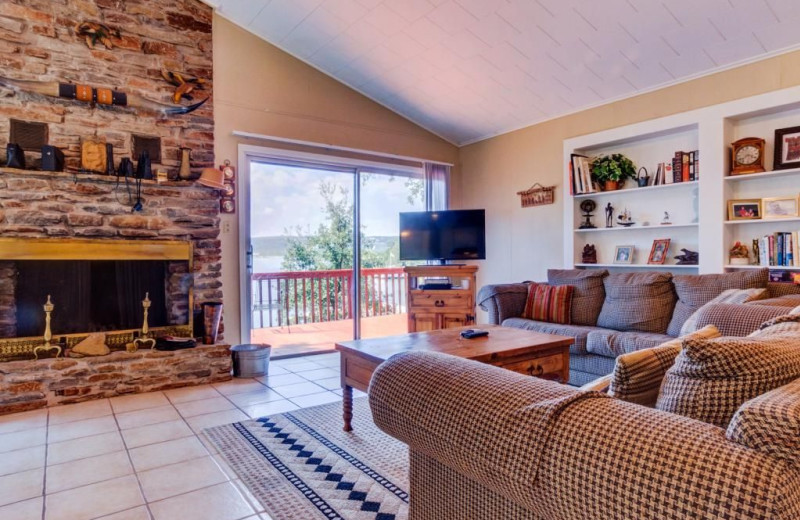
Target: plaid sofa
487, 443
595, 348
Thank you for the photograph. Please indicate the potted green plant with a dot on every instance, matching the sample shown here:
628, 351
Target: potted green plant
611, 171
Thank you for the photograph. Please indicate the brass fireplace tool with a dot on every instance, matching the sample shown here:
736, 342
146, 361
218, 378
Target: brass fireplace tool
48, 334
144, 340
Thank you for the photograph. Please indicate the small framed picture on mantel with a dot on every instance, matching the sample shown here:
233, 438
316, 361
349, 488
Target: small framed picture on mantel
787, 148
659, 252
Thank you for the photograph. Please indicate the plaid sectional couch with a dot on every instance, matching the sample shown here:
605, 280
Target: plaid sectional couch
618, 313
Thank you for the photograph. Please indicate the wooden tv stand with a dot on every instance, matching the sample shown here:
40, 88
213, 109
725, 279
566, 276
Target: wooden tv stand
441, 309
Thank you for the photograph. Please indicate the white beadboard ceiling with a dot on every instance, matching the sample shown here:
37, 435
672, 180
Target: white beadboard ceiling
471, 69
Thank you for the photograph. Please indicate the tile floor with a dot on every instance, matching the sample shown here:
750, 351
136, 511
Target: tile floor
139, 457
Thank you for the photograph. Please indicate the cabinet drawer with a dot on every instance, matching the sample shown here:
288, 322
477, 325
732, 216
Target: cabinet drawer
439, 300
538, 366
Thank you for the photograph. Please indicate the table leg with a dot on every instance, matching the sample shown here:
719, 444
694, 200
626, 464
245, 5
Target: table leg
347, 406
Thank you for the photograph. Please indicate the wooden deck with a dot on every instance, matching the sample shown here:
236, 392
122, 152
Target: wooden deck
314, 338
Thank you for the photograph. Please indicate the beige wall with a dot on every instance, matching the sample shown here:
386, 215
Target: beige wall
523, 243
260, 89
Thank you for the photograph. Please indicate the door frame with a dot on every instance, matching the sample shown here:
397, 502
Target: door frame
248, 153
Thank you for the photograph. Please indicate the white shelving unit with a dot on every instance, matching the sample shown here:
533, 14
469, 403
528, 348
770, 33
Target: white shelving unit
698, 209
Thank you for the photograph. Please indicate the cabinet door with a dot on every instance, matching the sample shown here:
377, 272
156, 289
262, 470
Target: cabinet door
452, 320
424, 321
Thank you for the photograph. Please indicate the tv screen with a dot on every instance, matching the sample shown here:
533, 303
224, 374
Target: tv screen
443, 235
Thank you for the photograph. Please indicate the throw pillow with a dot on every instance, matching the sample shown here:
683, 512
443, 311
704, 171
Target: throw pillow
588, 293
548, 303
637, 301
712, 378
694, 291
788, 323
637, 376
728, 296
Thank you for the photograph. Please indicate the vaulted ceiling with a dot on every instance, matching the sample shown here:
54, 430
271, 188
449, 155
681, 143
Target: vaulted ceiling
471, 69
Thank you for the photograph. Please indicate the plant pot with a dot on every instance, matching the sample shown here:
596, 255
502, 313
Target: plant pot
611, 186
740, 261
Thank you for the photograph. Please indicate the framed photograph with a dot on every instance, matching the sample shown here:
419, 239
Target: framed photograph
747, 209
659, 252
779, 207
624, 254
787, 148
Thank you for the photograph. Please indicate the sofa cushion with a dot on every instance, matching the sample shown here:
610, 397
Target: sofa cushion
737, 320
789, 300
770, 423
588, 295
579, 332
712, 378
694, 291
726, 296
637, 376
549, 303
611, 343
637, 301
786, 324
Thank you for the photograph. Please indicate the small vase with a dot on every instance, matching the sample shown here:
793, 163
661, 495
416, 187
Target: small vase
611, 186
212, 315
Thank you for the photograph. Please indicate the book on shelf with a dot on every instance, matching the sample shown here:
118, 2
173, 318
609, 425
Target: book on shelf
779, 250
685, 166
581, 175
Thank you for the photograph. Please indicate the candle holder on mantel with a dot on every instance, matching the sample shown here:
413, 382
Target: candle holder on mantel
48, 334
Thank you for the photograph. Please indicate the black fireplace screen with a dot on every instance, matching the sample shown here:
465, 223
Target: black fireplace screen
93, 295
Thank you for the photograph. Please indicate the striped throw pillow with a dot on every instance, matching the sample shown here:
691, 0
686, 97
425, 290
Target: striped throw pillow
549, 303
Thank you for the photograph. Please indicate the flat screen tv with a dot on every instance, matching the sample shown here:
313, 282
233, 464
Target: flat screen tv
443, 235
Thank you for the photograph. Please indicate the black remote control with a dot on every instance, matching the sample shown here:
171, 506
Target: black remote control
474, 333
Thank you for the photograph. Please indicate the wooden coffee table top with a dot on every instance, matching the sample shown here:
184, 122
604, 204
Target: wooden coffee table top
502, 342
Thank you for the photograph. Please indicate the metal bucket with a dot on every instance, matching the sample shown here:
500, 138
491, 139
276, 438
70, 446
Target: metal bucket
250, 360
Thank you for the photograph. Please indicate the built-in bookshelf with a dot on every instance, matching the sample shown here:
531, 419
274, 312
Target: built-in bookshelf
698, 210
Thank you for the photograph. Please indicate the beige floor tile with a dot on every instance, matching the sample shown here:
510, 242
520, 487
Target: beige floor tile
238, 386
215, 404
281, 380
301, 366
137, 513
299, 389
79, 411
147, 417
22, 460
251, 499
26, 510
24, 439
267, 409
155, 433
130, 403
191, 393
224, 466
251, 398
87, 471
209, 420
23, 421
220, 502
169, 452
95, 500
21, 486
275, 370
320, 373
306, 401
207, 444
331, 383
78, 429
61, 452
183, 477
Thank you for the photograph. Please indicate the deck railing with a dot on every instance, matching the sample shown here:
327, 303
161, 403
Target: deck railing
299, 297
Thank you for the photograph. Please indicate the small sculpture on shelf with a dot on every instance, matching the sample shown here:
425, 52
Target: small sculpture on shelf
688, 257
609, 216
666, 221
625, 219
589, 254
739, 255
756, 252
587, 206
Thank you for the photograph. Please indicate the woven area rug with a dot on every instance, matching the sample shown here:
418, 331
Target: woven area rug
301, 465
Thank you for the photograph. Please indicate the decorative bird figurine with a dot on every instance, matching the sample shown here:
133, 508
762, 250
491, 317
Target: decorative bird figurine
184, 85
97, 32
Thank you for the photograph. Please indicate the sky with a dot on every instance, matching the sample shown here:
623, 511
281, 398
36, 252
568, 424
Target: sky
284, 197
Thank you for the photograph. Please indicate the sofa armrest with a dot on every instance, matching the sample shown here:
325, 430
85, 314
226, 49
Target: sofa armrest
734, 319
542, 445
503, 301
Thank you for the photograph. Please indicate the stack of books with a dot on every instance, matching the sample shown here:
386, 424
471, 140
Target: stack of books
581, 175
685, 167
779, 249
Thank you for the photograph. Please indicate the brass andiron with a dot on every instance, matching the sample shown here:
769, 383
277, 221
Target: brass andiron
146, 307
48, 334
144, 341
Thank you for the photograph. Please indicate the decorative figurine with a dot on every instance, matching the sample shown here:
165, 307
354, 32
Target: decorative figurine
587, 206
756, 252
688, 258
609, 216
625, 219
739, 255
666, 221
48, 334
589, 254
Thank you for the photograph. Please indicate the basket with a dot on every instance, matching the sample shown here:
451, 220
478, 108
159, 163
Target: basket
537, 195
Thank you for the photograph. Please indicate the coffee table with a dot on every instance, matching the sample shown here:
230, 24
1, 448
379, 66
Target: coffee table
523, 351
